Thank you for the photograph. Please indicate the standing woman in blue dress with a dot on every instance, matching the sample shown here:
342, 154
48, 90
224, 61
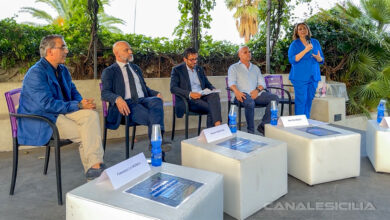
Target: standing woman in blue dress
305, 56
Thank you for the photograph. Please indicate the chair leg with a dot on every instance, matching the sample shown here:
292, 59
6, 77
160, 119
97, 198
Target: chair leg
228, 111
133, 137
199, 124
281, 109
47, 157
186, 127
14, 165
173, 123
127, 136
239, 117
58, 171
104, 134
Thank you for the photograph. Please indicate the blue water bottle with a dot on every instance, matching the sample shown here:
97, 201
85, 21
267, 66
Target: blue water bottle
155, 140
233, 119
381, 110
274, 113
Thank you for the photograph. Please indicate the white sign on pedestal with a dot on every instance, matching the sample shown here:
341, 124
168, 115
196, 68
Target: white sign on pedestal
291, 121
215, 133
125, 171
385, 123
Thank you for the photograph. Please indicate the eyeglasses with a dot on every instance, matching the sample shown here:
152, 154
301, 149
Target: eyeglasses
193, 59
61, 48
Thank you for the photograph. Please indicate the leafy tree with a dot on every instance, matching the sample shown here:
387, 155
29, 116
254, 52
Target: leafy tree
357, 52
68, 9
190, 28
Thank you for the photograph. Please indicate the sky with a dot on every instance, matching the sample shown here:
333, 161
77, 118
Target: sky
158, 18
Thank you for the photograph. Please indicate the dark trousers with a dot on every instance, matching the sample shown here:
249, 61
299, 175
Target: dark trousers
147, 111
209, 104
249, 104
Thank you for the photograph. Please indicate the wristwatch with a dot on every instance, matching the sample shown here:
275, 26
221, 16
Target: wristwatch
80, 105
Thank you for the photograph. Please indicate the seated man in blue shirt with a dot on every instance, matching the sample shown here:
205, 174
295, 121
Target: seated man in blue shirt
127, 93
48, 91
248, 85
188, 80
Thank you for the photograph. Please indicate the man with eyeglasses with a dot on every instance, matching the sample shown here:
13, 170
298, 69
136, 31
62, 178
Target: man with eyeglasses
189, 80
127, 93
48, 91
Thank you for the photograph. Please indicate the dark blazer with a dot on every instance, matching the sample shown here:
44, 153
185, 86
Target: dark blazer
114, 86
180, 84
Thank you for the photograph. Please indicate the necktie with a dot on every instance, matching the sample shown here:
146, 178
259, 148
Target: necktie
133, 88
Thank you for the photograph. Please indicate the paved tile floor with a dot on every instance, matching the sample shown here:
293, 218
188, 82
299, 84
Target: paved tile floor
364, 197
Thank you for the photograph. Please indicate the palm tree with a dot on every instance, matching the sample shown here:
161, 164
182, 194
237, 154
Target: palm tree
246, 16
67, 9
368, 66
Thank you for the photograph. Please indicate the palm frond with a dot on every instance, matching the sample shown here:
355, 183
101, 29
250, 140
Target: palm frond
105, 19
379, 10
36, 13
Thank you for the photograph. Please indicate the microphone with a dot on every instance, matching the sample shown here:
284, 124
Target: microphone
308, 39
308, 42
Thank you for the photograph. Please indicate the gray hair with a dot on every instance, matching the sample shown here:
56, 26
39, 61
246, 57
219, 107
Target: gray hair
242, 46
48, 42
119, 42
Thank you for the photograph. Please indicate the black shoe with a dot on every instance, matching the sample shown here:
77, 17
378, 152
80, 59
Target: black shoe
260, 129
93, 173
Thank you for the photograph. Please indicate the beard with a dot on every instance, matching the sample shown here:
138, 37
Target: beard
131, 59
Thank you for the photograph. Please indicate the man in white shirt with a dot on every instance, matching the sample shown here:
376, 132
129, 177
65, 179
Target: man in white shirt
247, 83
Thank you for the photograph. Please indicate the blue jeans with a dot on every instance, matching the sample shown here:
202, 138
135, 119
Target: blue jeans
249, 104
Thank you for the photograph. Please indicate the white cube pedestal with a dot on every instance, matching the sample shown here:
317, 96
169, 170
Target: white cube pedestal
251, 180
92, 201
328, 109
378, 146
319, 159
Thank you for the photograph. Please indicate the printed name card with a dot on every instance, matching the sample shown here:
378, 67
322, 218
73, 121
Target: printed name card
125, 171
215, 133
385, 123
292, 121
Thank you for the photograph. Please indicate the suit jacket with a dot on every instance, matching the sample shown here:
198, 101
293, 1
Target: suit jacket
41, 95
114, 86
180, 84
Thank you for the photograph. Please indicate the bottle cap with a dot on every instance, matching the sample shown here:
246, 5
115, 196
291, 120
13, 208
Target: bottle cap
232, 110
273, 105
156, 132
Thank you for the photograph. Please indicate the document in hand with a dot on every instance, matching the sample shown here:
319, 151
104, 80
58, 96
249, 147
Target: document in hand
208, 91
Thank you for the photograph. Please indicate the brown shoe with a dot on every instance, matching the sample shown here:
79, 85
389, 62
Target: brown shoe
166, 146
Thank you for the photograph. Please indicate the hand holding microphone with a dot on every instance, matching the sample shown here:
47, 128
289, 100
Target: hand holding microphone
309, 46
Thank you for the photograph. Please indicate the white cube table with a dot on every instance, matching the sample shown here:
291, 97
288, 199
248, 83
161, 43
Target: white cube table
92, 201
378, 146
251, 180
328, 109
319, 159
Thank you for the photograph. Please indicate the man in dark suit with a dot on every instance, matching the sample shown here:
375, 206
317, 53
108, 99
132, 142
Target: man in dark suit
127, 93
189, 80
